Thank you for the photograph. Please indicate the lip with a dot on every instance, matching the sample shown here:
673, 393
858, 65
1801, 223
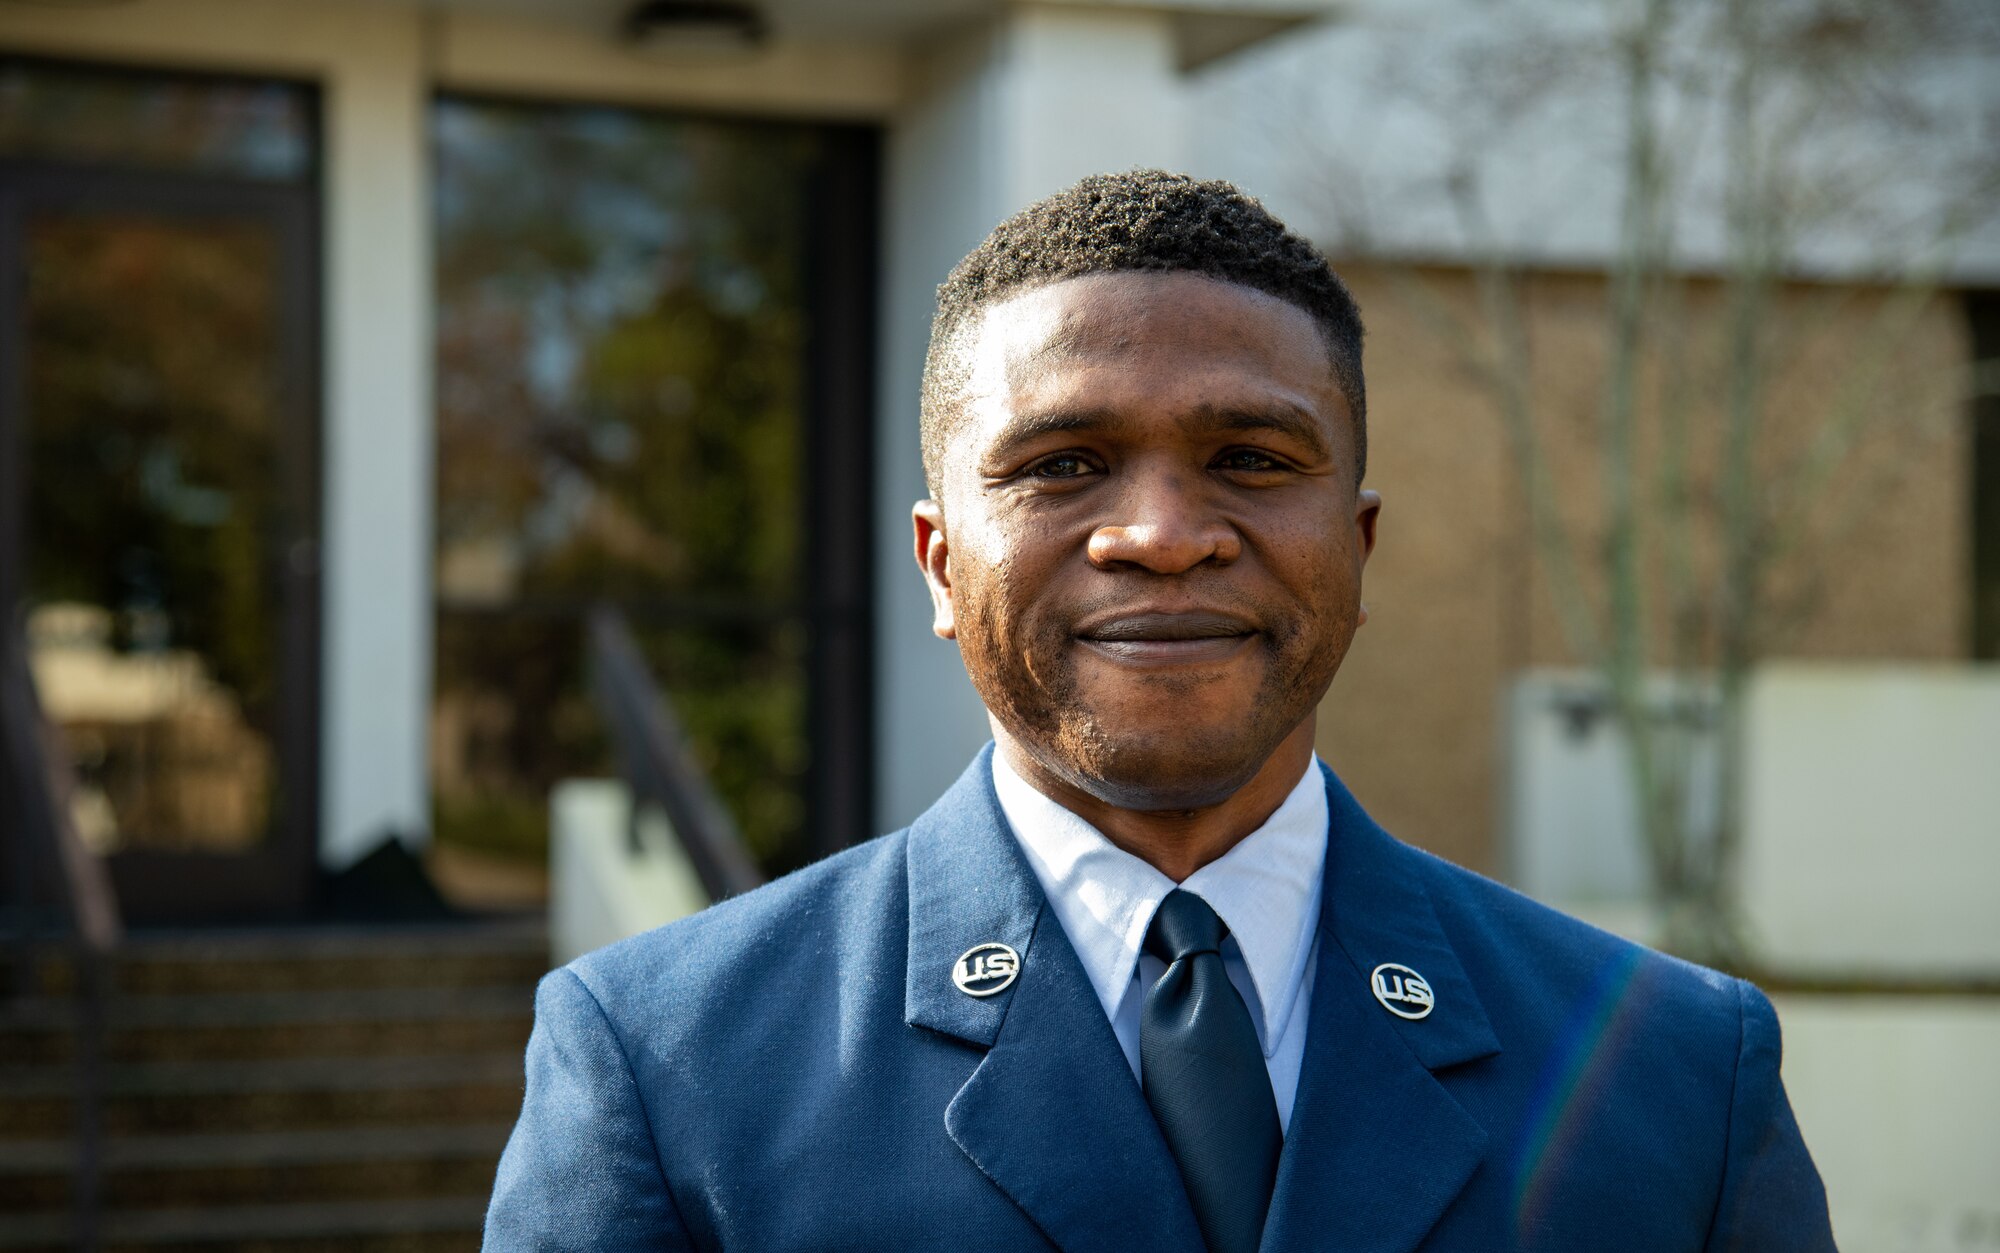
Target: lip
1158, 637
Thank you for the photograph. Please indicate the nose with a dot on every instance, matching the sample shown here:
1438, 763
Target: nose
1164, 527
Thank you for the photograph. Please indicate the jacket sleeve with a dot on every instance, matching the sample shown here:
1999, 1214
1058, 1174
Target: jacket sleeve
581, 1170
1772, 1200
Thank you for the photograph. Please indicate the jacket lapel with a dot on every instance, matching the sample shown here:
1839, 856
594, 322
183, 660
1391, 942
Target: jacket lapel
1377, 1148
1052, 1114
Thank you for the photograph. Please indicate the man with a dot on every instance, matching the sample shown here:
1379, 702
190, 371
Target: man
1147, 977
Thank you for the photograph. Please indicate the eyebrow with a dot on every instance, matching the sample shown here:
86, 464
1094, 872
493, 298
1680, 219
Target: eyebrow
1279, 416
1027, 428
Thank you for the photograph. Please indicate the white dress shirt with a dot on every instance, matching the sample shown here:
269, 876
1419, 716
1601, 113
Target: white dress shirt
1266, 890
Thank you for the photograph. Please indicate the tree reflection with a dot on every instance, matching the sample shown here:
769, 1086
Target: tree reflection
619, 418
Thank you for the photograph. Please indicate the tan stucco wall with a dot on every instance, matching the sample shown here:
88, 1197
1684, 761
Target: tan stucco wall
1457, 600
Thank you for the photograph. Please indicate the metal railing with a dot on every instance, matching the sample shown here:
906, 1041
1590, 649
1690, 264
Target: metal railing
657, 763
63, 899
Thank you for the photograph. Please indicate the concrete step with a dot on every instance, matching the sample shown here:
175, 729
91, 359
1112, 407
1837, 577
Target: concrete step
488, 955
299, 1090
269, 1093
356, 1225
444, 1099
393, 1163
349, 1039
276, 1148
249, 1009
278, 1074
41, 1031
305, 958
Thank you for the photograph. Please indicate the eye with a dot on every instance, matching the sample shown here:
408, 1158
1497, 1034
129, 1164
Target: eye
1247, 460
1063, 465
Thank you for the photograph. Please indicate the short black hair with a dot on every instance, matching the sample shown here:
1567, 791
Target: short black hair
1148, 220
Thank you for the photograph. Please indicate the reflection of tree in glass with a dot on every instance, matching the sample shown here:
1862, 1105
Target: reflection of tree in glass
154, 478
153, 492
619, 418
260, 130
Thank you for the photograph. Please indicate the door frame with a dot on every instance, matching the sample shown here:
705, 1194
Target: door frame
278, 879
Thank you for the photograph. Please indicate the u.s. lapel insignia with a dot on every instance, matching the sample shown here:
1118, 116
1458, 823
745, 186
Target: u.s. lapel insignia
1402, 991
986, 969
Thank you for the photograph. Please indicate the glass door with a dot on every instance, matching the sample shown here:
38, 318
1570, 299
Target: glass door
159, 517
653, 394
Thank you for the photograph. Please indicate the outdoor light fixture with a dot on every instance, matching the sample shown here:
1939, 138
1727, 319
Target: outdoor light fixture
693, 27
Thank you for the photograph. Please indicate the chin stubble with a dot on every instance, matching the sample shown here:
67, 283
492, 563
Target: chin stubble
1034, 692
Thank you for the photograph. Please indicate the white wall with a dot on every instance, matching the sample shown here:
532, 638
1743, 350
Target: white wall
1899, 1100
1000, 117
601, 889
1871, 836
1572, 829
1872, 819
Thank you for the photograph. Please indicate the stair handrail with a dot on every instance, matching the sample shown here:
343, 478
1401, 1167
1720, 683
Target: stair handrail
657, 762
44, 787
42, 783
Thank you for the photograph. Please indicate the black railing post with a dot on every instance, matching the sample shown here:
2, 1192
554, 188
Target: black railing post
92, 976
657, 764
54, 863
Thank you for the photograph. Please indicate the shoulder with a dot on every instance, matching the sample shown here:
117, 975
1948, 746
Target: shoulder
1680, 1065
752, 948
1536, 967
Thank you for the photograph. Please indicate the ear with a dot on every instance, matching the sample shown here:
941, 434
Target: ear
1367, 509
934, 559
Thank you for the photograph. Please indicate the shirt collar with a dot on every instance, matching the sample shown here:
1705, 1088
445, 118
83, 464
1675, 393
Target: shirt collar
1266, 889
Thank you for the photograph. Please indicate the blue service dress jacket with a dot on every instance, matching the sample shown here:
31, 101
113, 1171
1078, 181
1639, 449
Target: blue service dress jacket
796, 1069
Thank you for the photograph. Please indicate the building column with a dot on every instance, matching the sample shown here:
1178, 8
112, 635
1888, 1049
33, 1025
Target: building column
376, 653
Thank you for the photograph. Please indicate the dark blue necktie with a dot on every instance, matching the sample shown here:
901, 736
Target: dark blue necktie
1204, 1076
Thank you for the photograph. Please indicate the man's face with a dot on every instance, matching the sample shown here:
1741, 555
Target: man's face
1150, 541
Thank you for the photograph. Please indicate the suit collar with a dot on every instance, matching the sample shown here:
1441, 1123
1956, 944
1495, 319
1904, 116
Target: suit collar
1378, 1148
1051, 1115
969, 885
1376, 907
1266, 890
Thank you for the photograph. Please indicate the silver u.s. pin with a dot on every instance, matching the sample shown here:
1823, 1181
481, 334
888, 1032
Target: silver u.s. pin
986, 969
1402, 991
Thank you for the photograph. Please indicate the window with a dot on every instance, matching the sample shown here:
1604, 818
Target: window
647, 330
159, 467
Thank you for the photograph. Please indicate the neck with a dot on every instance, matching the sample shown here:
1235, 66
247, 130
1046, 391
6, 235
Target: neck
1177, 842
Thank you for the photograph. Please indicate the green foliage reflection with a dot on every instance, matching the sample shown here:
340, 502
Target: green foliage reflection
620, 335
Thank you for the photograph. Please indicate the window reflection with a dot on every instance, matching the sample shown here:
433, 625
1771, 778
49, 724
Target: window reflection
76, 114
152, 504
621, 323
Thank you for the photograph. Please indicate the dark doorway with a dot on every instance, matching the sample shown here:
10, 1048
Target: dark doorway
1982, 310
159, 470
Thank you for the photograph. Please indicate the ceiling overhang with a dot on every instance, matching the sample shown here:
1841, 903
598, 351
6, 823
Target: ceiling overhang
1205, 29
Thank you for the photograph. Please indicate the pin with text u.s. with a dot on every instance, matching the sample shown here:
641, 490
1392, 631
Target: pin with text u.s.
985, 969
1402, 991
